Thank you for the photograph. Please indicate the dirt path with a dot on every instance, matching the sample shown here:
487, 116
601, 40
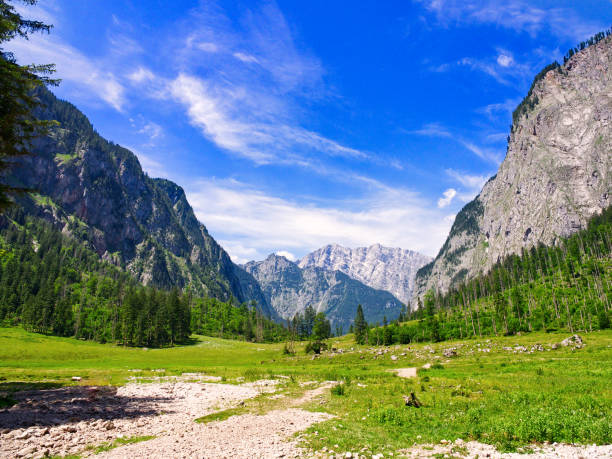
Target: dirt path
244, 436
241, 436
67, 420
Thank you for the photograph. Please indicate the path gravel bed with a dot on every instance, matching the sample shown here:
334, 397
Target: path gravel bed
66, 420
244, 436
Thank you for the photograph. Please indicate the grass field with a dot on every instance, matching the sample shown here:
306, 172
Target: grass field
495, 390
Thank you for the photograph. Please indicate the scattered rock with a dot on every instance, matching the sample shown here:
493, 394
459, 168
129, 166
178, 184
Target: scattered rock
450, 352
109, 425
574, 340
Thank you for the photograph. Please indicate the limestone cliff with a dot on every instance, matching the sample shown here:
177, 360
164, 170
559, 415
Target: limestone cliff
97, 192
556, 174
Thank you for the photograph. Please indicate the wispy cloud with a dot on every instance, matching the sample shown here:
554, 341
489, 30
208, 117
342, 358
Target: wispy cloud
438, 130
246, 94
258, 223
84, 73
502, 67
446, 198
90, 78
432, 130
486, 154
517, 15
471, 184
505, 108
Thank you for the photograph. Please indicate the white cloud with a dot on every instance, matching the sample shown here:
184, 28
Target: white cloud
471, 184
288, 255
245, 57
207, 47
258, 223
223, 116
87, 76
432, 130
446, 198
152, 130
517, 15
505, 60
141, 74
470, 181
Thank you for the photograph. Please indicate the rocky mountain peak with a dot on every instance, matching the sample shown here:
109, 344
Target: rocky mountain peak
557, 172
380, 267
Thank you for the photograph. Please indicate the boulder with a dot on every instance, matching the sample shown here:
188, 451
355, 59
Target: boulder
450, 352
574, 340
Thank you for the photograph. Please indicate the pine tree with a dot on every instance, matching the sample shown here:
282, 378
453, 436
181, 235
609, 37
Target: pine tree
360, 326
18, 125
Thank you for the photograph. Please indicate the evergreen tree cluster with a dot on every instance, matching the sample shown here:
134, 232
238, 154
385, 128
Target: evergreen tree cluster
585, 44
310, 325
566, 286
52, 284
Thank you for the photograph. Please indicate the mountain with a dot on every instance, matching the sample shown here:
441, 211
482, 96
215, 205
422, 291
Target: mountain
97, 192
556, 175
289, 289
382, 268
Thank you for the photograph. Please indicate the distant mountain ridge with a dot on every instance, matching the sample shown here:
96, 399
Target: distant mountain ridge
379, 267
556, 175
97, 191
289, 289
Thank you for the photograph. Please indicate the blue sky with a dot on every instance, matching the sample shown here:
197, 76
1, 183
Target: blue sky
296, 124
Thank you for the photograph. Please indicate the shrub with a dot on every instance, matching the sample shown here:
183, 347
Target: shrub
339, 389
315, 346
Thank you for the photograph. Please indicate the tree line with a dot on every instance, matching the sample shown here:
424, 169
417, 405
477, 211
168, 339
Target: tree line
52, 284
566, 286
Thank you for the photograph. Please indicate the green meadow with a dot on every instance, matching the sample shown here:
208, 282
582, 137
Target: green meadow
503, 391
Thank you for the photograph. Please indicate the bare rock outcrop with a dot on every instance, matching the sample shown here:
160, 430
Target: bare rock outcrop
556, 175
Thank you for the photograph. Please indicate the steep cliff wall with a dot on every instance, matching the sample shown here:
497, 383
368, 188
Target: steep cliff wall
556, 174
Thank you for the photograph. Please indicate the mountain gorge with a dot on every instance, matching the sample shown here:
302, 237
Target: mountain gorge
556, 175
382, 268
289, 289
97, 192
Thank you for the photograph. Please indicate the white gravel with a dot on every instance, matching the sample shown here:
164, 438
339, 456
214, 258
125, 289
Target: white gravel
65, 421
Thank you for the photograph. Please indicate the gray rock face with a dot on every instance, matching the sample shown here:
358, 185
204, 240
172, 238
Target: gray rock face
557, 173
97, 192
382, 268
289, 289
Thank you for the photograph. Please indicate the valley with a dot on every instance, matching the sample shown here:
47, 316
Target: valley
274, 299
500, 391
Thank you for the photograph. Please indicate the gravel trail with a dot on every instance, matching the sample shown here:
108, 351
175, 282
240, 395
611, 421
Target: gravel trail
66, 420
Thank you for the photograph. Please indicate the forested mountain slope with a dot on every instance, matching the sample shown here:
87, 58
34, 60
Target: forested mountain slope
566, 286
52, 283
97, 192
557, 172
